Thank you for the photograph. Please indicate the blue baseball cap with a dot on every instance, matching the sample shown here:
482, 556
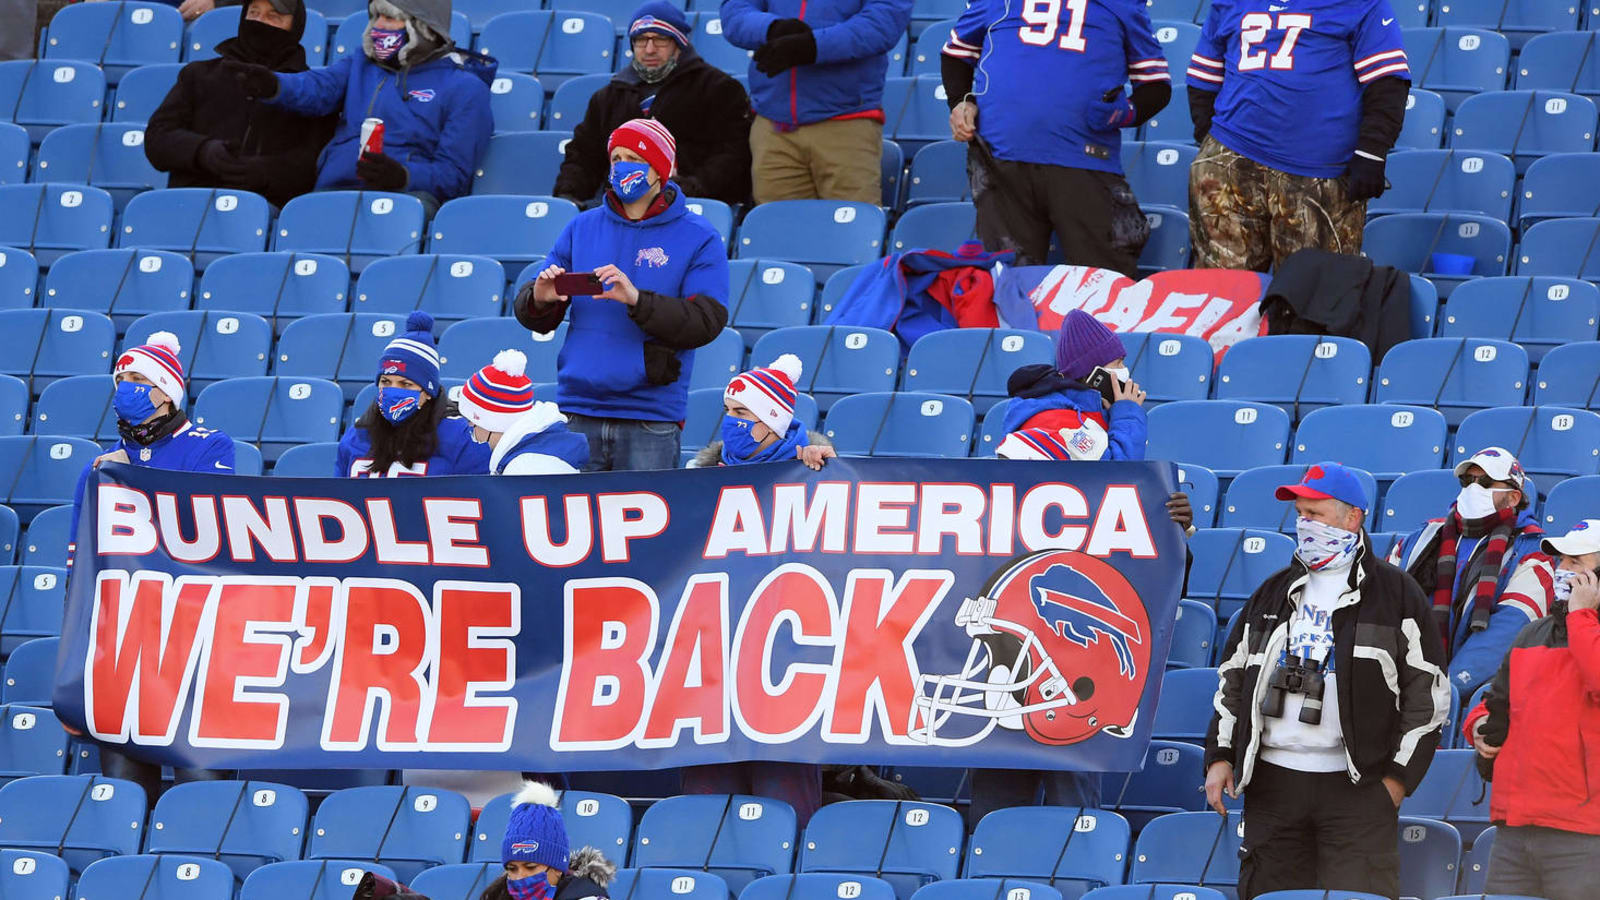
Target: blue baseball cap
1327, 480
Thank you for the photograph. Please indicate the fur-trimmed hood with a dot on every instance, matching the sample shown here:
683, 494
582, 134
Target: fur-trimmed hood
711, 454
588, 875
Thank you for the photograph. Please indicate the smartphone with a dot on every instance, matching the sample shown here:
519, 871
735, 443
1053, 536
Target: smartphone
1101, 380
578, 284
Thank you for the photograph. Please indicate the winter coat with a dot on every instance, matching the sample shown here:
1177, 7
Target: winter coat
540, 444
707, 112
853, 38
436, 117
922, 291
1041, 397
207, 103
1320, 292
1543, 710
589, 874
634, 362
1391, 688
710, 456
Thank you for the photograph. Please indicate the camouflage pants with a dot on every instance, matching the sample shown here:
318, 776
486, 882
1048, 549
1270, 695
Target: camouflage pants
1243, 215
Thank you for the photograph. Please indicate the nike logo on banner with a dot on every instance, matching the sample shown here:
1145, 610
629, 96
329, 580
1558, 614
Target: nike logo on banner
220, 465
1387, 22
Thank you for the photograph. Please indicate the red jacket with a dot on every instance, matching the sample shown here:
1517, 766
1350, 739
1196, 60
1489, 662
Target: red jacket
1543, 709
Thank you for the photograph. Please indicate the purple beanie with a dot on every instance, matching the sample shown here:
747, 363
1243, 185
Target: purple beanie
1083, 343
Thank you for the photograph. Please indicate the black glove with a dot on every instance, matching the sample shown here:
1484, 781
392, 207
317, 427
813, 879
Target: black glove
254, 80
786, 52
1363, 178
785, 27
382, 172
215, 158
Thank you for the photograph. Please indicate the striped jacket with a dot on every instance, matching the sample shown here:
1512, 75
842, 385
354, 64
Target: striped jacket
1392, 692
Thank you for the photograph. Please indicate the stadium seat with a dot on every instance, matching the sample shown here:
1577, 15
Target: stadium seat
1168, 244
1518, 20
244, 824
10, 532
1453, 375
689, 884
80, 818
1164, 785
1451, 790
13, 405
601, 821
1007, 888
347, 38
173, 877
1569, 375
1198, 848
1325, 371
214, 345
924, 54
107, 156
124, 284
904, 424
817, 886
737, 837
54, 343
555, 45
1251, 502
42, 95
1475, 862
767, 294
272, 412
407, 828
1424, 306
934, 226
1547, 122
216, 26
141, 91
311, 879
1193, 636
907, 844
939, 174
926, 12
1160, 892
463, 880
834, 287
30, 671
31, 743
1552, 442
838, 360
825, 235
447, 286
915, 111
247, 459
1561, 185
1238, 435
1414, 498
1537, 313
1184, 711
32, 604
46, 541
32, 876
516, 101
1201, 484
973, 362
342, 347
201, 223
1430, 858
1409, 242
1569, 502
1424, 123
308, 460
709, 41
1386, 440
19, 275
357, 226
717, 214
571, 100
511, 229
51, 220
1067, 847
1230, 563
1562, 247
1457, 62
1562, 61
1158, 172
1448, 181
42, 471
468, 346
279, 287
115, 36
1177, 36
716, 363
1169, 366
524, 163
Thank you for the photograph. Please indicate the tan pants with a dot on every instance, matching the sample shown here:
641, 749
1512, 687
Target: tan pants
838, 159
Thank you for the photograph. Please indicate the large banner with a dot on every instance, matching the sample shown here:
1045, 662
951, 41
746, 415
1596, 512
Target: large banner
945, 613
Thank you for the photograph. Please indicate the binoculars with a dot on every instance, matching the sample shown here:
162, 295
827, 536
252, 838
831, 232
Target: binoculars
1296, 676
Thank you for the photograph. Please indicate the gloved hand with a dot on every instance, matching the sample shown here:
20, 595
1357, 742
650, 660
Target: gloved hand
382, 172
1118, 112
215, 158
1363, 178
785, 27
256, 81
786, 52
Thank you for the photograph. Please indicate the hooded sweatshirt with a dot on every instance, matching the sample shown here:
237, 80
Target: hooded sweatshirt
1042, 397
540, 444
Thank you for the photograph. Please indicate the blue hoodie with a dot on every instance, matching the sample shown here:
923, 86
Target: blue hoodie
436, 117
675, 253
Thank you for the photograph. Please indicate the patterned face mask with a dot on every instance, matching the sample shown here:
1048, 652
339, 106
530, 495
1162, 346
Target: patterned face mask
1563, 585
1322, 546
386, 42
533, 887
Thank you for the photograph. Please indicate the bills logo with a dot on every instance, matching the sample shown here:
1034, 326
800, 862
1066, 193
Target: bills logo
394, 367
525, 847
654, 257
629, 180
1079, 611
404, 404
425, 96
125, 361
388, 41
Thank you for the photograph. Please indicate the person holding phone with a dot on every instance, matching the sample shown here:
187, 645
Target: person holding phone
646, 282
1087, 397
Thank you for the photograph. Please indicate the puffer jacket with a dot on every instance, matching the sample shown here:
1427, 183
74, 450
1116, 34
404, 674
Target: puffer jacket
589, 874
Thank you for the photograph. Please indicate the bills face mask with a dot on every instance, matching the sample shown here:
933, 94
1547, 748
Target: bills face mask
630, 180
1563, 585
132, 402
1322, 546
386, 42
398, 404
533, 887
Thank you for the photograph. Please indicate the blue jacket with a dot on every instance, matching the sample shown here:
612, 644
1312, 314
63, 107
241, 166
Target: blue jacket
673, 254
457, 454
1042, 397
854, 38
900, 293
436, 117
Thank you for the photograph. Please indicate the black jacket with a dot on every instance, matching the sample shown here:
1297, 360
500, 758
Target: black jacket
1386, 731
1318, 292
207, 103
707, 112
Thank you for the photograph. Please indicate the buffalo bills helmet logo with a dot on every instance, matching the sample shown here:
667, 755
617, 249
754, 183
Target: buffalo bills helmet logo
1080, 611
402, 405
425, 95
125, 361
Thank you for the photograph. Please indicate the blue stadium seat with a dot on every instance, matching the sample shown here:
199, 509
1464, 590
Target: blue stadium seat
555, 45
1448, 181
973, 362
602, 821
43, 471
342, 347
1323, 370
1551, 442
1453, 375
13, 405
272, 412
1169, 366
934, 226
1251, 502
1569, 375
768, 294
1450, 790
78, 406
10, 530
1230, 563
1424, 306
80, 818
1061, 845
907, 844
479, 12
1160, 892
1193, 636
915, 111
308, 460
571, 100
311, 879
159, 878
1547, 122
1177, 36
1457, 62
468, 346
716, 363
214, 345
1176, 10
449, 287
926, 12
201, 223
817, 886
34, 597
45, 544
516, 101
738, 837
1562, 61
54, 343
124, 284
357, 226
511, 229
1168, 244
247, 459
348, 36
407, 828
1430, 857
825, 235
1239, 435
279, 287
905, 424
838, 360
1159, 172
465, 880
924, 52
689, 884
19, 275
31, 743
244, 824
1518, 20
1200, 483
107, 156
1414, 498
1198, 848
115, 36
1008, 888
141, 91
1424, 124
834, 286
51, 220
216, 26
939, 174
30, 673
713, 47
1165, 784
1570, 502
42, 95
1537, 313
717, 214
1475, 863
1408, 242
1185, 709
1561, 185
1562, 247
32, 876
14, 151
1386, 440
524, 162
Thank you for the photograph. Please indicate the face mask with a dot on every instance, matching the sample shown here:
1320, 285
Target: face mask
630, 180
654, 75
1121, 374
1563, 585
1476, 501
398, 404
132, 402
534, 887
264, 39
386, 42
738, 444
1322, 546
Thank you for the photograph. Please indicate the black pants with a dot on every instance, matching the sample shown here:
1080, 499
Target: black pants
1094, 215
113, 764
994, 789
1307, 830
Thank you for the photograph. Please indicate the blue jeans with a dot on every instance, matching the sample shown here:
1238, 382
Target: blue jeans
628, 445
1543, 862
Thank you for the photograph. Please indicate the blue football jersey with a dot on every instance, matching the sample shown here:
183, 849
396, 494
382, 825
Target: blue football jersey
1290, 75
1039, 66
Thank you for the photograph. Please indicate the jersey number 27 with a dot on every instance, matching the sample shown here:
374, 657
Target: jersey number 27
1044, 19
1253, 30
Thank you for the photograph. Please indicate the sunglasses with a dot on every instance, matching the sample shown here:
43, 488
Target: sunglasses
1485, 481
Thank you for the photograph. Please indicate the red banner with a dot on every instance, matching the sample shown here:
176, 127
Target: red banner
1220, 305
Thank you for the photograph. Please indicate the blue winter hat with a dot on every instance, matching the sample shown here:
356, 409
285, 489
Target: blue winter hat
535, 832
413, 354
1083, 343
662, 18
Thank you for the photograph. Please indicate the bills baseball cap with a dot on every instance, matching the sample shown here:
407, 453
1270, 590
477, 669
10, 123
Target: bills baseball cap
1583, 538
1325, 481
1497, 463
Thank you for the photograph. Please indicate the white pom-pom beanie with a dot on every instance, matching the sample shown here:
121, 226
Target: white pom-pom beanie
498, 394
768, 392
157, 360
